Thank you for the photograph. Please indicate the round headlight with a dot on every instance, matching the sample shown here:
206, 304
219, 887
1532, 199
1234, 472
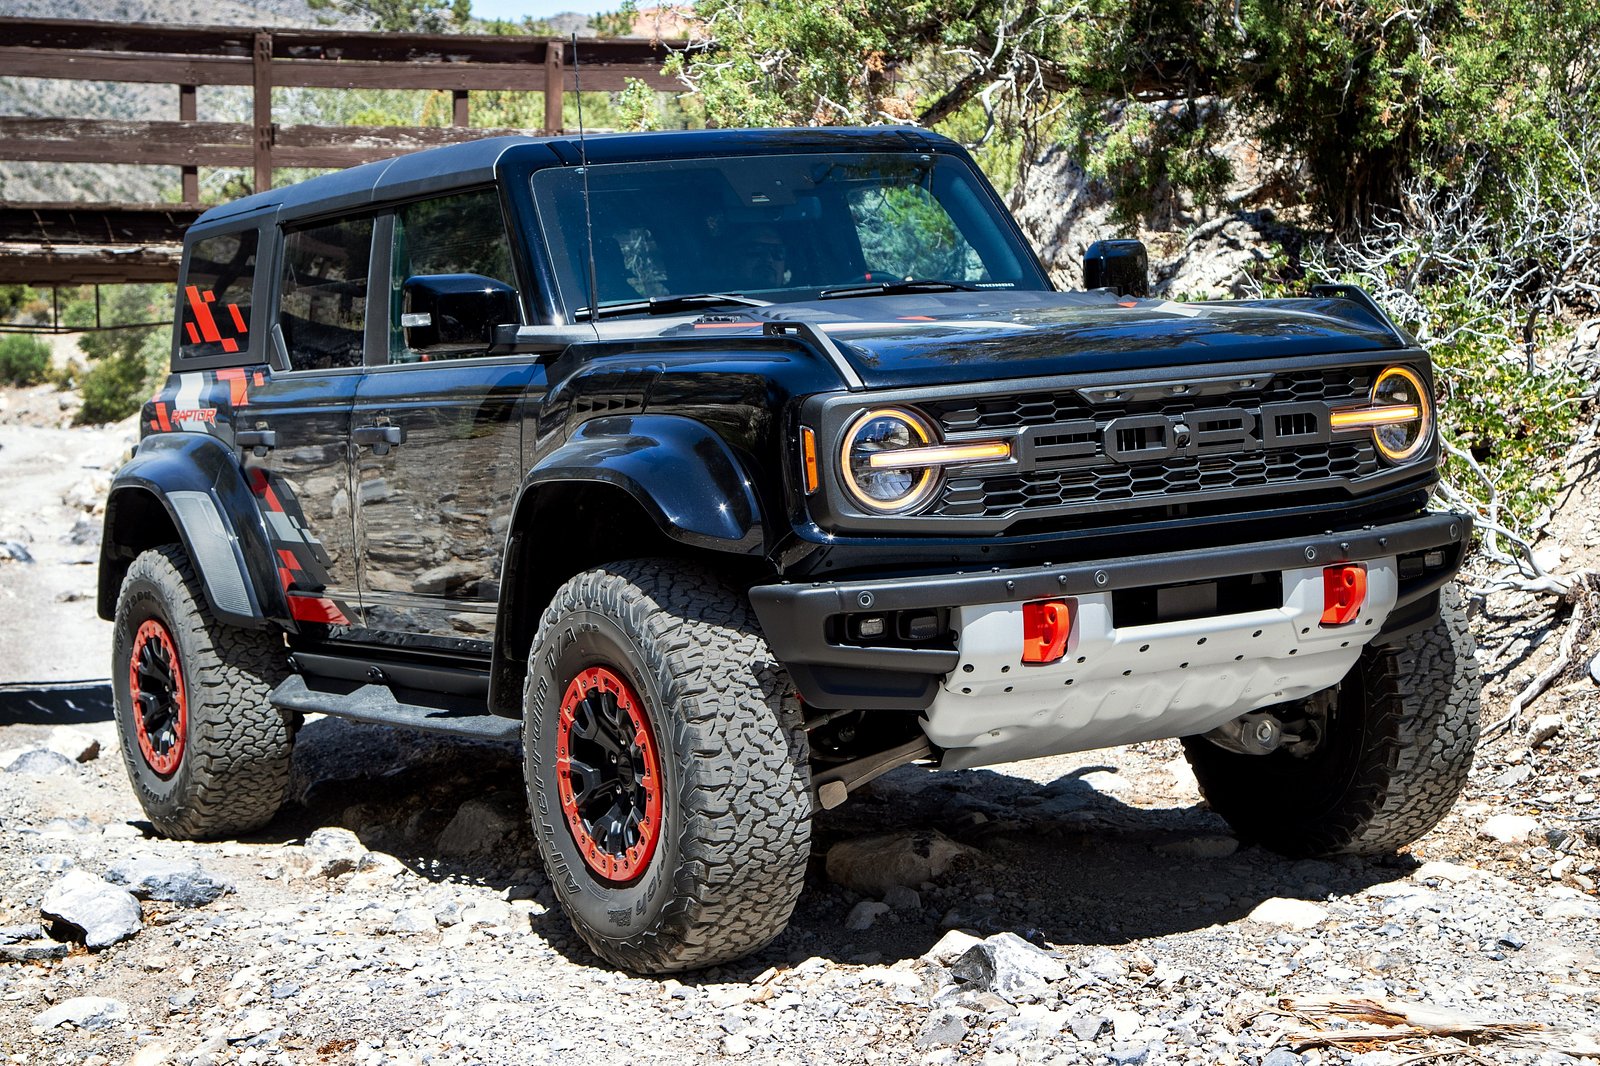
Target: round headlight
885, 486
1401, 389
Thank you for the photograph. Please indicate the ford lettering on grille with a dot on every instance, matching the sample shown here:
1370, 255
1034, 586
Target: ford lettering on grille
1140, 438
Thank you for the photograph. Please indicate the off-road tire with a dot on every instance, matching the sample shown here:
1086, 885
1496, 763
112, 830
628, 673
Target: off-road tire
234, 766
735, 835
1397, 752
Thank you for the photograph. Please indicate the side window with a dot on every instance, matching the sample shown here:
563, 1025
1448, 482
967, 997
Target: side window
462, 234
322, 308
905, 231
216, 295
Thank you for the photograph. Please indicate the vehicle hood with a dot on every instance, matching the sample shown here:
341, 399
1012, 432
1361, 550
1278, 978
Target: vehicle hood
920, 339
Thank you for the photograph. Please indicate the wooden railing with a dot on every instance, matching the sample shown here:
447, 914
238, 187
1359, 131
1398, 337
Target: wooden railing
69, 243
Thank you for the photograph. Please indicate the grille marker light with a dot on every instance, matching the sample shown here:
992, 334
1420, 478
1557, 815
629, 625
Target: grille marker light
808, 443
1366, 417
941, 455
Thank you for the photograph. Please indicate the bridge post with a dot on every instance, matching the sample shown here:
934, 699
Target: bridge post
191, 174
262, 61
555, 83
458, 100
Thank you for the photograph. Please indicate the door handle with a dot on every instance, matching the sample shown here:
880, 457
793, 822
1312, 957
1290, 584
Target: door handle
379, 438
259, 441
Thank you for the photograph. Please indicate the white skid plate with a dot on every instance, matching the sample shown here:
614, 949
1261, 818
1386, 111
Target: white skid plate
1122, 686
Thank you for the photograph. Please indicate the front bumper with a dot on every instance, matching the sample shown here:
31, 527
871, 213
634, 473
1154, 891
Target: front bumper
802, 622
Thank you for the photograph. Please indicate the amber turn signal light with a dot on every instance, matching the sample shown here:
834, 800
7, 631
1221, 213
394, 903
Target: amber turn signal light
808, 444
1344, 590
1046, 625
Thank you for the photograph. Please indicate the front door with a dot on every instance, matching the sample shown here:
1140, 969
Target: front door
438, 446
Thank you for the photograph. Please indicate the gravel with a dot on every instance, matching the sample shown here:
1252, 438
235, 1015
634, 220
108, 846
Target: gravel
394, 914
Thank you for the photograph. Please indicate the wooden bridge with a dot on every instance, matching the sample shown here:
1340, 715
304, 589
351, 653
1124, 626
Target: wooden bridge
105, 243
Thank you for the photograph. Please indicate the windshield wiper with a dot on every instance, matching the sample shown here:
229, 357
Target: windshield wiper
895, 288
667, 305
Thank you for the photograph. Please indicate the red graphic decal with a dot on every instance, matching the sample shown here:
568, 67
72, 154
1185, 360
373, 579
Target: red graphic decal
316, 609
287, 557
155, 427
271, 498
260, 379
161, 416
194, 334
229, 344
238, 319
238, 387
195, 414
285, 578
258, 480
202, 313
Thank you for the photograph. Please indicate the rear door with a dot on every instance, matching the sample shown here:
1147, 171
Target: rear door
294, 431
438, 443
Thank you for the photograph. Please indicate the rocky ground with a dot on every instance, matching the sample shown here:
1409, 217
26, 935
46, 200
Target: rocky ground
1084, 909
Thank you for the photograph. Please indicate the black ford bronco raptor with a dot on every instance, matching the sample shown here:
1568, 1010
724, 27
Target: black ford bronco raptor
729, 470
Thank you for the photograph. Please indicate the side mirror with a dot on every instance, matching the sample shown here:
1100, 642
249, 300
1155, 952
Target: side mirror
452, 313
1121, 266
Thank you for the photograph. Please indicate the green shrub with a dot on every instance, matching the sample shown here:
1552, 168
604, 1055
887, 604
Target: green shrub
117, 384
24, 360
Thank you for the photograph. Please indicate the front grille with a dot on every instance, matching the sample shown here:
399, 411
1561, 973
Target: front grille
1271, 438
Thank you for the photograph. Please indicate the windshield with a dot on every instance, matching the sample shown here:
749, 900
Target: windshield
777, 228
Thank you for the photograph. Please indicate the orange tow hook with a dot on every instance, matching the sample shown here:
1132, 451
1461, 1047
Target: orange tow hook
1344, 590
1046, 625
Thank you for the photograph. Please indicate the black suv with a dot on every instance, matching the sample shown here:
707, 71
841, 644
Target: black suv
729, 470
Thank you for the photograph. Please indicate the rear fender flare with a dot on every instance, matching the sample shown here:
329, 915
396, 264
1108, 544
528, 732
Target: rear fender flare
198, 482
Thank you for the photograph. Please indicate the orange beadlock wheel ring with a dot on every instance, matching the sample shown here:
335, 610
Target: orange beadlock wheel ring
158, 696
608, 775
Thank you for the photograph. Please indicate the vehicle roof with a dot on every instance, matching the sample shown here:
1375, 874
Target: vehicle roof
477, 162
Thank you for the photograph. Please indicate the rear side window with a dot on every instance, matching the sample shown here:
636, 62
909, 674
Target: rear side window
322, 305
216, 296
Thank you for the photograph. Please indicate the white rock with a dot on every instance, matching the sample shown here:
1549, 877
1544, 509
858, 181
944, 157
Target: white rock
1439, 870
1571, 908
736, 1045
39, 761
1288, 913
332, 852
104, 913
180, 881
414, 920
157, 1054
1124, 1023
1509, 828
950, 947
1544, 728
1594, 669
75, 744
86, 1012
1010, 967
872, 864
864, 914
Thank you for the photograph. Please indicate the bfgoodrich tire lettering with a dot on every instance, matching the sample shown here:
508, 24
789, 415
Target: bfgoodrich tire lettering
231, 753
724, 872
1397, 752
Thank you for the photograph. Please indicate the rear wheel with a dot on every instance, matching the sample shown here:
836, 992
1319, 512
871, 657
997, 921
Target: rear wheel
666, 767
1394, 747
206, 753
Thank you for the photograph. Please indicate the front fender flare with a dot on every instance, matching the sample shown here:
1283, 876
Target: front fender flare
680, 471
198, 482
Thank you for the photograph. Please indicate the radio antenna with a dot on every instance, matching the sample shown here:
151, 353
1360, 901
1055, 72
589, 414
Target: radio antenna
583, 162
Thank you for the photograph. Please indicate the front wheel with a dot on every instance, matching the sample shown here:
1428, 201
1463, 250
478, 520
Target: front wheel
666, 767
1393, 750
206, 753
